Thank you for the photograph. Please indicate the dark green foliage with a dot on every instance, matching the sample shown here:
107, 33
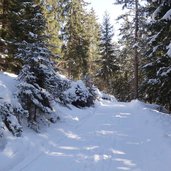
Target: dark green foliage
8, 17
131, 41
108, 65
78, 48
157, 71
37, 77
93, 32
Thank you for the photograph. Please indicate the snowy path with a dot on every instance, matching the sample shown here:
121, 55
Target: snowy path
109, 137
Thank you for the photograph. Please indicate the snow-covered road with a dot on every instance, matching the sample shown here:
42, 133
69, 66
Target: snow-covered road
112, 136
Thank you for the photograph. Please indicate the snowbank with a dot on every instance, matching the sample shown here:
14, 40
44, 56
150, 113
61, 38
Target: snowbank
7, 87
109, 136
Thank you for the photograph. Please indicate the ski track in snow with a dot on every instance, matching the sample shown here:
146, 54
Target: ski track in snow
112, 136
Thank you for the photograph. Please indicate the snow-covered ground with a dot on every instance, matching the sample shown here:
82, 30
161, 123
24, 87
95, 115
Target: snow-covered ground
112, 136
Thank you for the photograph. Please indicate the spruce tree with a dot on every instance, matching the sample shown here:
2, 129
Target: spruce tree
94, 41
157, 70
9, 15
124, 88
77, 43
108, 61
129, 4
37, 77
53, 12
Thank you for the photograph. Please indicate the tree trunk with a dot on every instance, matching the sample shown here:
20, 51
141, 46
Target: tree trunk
136, 52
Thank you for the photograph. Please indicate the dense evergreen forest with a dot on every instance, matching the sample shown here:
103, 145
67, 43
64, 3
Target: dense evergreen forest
41, 38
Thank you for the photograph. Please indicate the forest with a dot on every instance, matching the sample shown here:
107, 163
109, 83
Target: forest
40, 39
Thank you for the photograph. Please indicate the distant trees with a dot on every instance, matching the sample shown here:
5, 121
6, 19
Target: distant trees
134, 14
33, 33
9, 35
123, 85
81, 35
94, 41
108, 60
76, 52
132, 39
151, 42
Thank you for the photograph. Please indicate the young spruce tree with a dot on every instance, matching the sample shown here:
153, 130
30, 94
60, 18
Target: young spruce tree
37, 76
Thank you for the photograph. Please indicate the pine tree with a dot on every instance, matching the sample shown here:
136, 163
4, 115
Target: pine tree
125, 86
37, 75
94, 41
129, 4
77, 43
157, 71
8, 16
54, 19
124, 82
108, 62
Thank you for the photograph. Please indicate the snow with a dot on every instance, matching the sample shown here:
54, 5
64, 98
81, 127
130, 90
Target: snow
77, 87
153, 39
155, 13
33, 35
153, 81
167, 16
169, 50
111, 136
7, 86
105, 96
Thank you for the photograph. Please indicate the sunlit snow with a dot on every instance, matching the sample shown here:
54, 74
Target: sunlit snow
111, 136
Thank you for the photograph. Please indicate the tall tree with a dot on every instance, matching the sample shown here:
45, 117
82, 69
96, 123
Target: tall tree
77, 43
124, 80
108, 61
94, 41
157, 71
128, 49
134, 5
37, 77
52, 25
8, 16
136, 62
55, 12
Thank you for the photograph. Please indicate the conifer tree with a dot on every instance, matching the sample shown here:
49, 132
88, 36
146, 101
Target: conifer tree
133, 39
157, 71
54, 14
37, 75
94, 41
9, 14
129, 4
108, 62
77, 46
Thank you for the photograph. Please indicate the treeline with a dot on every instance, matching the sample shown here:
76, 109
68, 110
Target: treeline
145, 51
74, 36
137, 66
38, 38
